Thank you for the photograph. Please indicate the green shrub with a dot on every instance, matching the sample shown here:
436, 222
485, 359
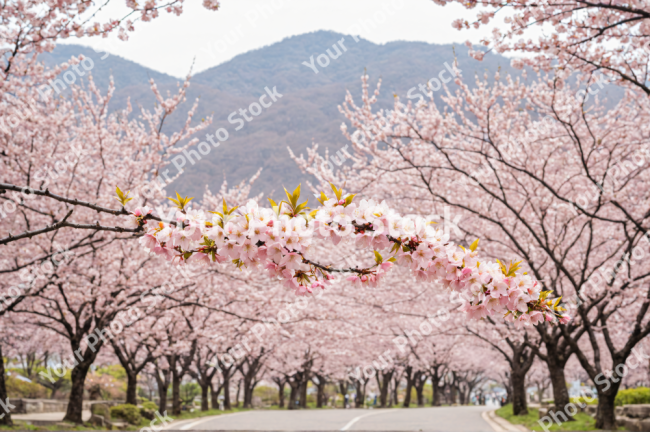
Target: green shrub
639, 395
101, 409
584, 401
127, 412
147, 413
22, 389
150, 406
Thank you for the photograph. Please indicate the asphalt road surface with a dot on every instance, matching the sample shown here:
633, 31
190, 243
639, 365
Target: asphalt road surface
447, 419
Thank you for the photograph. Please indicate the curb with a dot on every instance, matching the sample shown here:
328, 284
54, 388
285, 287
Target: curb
499, 424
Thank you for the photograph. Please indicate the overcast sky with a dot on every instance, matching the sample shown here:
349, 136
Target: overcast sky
170, 43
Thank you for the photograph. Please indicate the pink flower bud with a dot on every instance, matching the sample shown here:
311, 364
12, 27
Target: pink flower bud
364, 278
270, 224
341, 202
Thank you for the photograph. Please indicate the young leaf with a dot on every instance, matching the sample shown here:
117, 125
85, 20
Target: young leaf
474, 245
289, 198
378, 258
296, 196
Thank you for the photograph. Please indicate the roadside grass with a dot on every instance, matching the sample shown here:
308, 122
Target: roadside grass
583, 421
22, 426
197, 413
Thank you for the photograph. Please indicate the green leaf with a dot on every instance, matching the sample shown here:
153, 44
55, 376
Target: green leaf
322, 198
474, 245
391, 259
337, 192
289, 198
348, 200
378, 258
295, 196
122, 197
302, 207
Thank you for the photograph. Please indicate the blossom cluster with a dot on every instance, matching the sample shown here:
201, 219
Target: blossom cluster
279, 240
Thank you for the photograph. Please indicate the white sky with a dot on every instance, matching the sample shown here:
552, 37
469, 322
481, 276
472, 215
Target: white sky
170, 43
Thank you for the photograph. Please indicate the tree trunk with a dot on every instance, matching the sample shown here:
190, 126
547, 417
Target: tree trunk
131, 388
343, 389
205, 391
293, 396
360, 396
249, 385
6, 417
215, 396
237, 395
605, 416
163, 387
176, 392
419, 381
383, 386
75, 402
281, 394
409, 386
558, 380
518, 384
226, 390
395, 398
303, 391
435, 388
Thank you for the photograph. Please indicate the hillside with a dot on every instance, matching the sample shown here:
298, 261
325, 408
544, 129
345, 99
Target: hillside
307, 111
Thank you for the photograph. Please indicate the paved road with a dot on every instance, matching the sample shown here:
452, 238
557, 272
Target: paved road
447, 419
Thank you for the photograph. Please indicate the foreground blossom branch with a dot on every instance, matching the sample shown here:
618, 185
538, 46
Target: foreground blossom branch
279, 240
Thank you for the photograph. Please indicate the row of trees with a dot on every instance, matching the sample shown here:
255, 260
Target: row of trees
534, 169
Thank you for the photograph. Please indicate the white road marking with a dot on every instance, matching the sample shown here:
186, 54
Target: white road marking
203, 420
356, 419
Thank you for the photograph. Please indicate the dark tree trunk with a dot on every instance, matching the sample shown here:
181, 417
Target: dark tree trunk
215, 396
320, 387
518, 384
75, 402
419, 380
205, 391
281, 385
6, 417
226, 389
295, 383
452, 394
237, 395
395, 399
131, 388
558, 380
163, 388
383, 385
435, 386
360, 396
176, 391
303, 390
249, 386
605, 415
408, 373
320, 395
343, 389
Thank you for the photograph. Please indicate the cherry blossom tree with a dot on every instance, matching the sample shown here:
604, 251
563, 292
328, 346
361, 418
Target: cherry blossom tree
563, 190
587, 36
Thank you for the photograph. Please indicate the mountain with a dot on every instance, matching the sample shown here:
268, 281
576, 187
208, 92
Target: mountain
307, 110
